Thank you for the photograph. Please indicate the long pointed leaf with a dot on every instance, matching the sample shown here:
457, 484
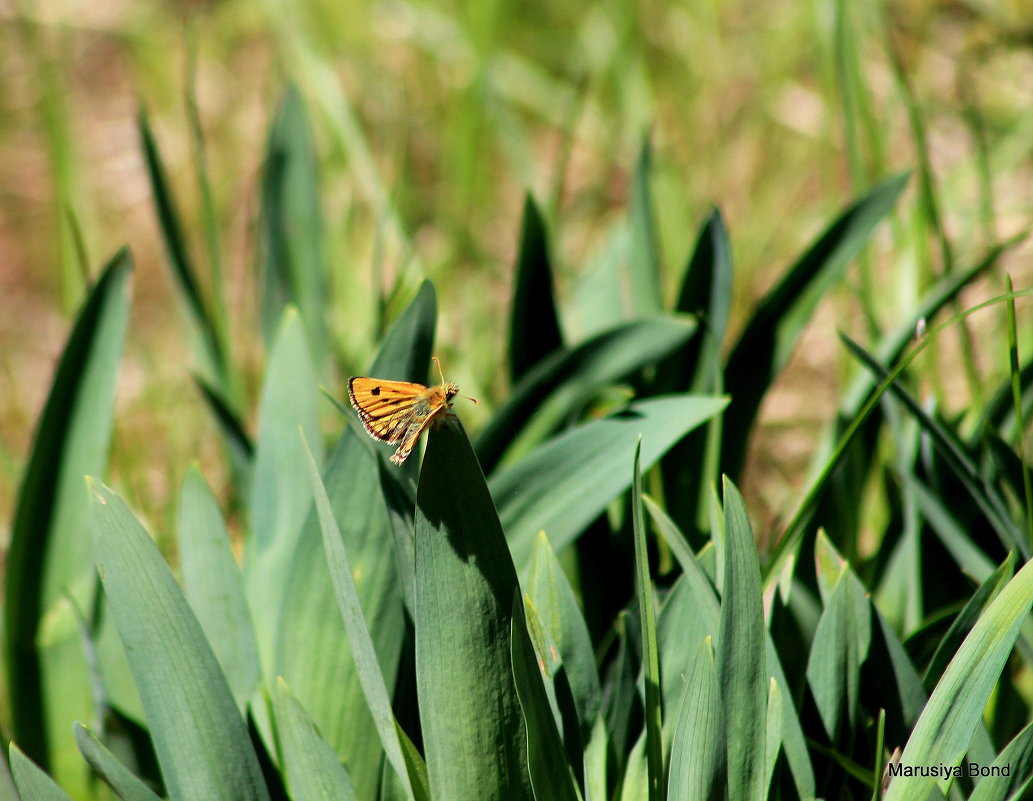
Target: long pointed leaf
475, 740
47, 684
534, 325
362, 647
741, 655
650, 656
944, 730
775, 327
199, 737
566, 483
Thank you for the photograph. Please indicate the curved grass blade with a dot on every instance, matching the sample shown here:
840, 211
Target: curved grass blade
764, 347
280, 496
294, 268
474, 736
127, 785
848, 480
214, 353
311, 631
985, 496
213, 585
944, 729
565, 626
563, 485
47, 687
534, 325
200, 739
362, 646
1017, 758
313, 770
966, 618
555, 389
789, 543
551, 774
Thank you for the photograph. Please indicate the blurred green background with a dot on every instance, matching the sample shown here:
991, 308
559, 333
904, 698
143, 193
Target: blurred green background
431, 120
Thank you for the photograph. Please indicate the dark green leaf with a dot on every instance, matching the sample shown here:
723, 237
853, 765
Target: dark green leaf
534, 325
556, 388
214, 355
475, 740
764, 347
199, 737
563, 485
49, 552
650, 656
342, 574
741, 654
551, 774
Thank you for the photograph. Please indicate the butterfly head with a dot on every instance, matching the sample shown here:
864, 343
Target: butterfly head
451, 390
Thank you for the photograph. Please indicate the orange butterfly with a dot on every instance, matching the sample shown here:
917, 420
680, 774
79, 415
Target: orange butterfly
399, 411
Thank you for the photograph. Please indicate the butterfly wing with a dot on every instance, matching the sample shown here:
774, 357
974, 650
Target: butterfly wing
386, 408
416, 427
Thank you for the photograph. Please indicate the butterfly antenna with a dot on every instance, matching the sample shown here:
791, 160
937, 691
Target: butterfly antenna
475, 401
440, 371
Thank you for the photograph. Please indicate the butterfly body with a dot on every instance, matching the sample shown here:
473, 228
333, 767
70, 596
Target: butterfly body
399, 411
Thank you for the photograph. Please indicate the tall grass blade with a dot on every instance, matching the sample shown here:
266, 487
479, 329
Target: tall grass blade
214, 587
362, 647
293, 258
534, 324
214, 353
311, 631
280, 495
841, 641
1020, 440
706, 292
650, 655
46, 685
764, 347
475, 740
698, 751
557, 388
565, 626
944, 730
741, 660
550, 772
644, 251
199, 737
